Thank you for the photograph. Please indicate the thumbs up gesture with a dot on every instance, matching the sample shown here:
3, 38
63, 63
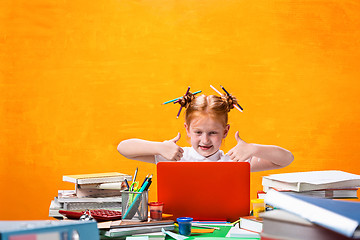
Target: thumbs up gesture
242, 151
170, 150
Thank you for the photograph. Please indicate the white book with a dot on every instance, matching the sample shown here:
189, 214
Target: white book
87, 200
97, 178
89, 203
313, 180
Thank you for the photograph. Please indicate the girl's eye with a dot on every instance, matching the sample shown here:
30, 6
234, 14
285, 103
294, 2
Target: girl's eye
213, 133
198, 132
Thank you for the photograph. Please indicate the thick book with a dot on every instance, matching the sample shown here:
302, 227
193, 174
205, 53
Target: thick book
100, 190
339, 216
49, 230
251, 223
339, 193
110, 203
313, 180
279, 224
97, 178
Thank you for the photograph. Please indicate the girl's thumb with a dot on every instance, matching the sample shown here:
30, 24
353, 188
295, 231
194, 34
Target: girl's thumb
237, 137
177, 138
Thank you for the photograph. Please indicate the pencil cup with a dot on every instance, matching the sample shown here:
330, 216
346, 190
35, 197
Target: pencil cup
184, 225
134, 205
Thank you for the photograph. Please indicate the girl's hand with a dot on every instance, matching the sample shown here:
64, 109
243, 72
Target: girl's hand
170, 150
242, 151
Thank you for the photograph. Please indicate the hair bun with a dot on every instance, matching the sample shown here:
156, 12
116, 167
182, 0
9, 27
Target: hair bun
186, 100
230, 100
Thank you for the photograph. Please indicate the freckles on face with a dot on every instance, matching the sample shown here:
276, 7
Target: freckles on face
206, 135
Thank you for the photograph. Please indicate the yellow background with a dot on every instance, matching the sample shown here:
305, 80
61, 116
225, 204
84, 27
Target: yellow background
77, 77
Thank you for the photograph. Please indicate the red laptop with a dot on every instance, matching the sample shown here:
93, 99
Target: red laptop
214, 191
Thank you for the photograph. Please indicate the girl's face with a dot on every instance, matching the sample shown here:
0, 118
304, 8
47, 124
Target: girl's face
206, 134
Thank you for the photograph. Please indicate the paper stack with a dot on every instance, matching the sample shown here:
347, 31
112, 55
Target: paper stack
92, 191
324, 184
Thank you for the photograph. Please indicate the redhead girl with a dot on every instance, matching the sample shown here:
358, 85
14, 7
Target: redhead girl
206, 124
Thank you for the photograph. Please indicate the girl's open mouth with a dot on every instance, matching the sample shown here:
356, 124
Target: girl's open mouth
205, 147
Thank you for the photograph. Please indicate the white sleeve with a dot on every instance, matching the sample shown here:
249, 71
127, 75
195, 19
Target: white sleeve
159, 158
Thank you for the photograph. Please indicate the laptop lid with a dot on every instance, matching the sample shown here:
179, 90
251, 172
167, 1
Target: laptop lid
215, 191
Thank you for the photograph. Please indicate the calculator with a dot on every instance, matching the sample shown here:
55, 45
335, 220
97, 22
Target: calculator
98, 214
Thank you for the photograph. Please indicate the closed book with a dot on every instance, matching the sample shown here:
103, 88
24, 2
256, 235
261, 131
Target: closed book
313, 180
48, 230
100, 190
279, 224
89, 203
251, 223
339, 216
338, 193
97, 178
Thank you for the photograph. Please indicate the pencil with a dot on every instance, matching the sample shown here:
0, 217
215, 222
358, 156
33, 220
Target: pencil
238, 107
216, 90
187, 91
204, 226
173, 100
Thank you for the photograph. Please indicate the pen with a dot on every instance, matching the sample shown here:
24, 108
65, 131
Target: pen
135, 174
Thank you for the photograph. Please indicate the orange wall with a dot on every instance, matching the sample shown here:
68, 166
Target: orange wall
77, 77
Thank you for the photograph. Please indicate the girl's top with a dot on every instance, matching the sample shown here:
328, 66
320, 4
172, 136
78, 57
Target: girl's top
191, 155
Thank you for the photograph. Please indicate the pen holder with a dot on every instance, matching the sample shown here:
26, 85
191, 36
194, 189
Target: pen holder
135, 205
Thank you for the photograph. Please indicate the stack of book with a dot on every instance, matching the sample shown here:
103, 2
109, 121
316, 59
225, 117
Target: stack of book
92, 191
323, 184
122, 228
300, 217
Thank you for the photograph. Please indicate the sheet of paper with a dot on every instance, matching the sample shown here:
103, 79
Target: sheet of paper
174, 235
314, 177
236, 231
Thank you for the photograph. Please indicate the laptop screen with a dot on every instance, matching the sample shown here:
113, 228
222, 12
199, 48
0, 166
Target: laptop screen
214, 191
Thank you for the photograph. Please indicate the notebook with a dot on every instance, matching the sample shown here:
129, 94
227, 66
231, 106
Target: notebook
213, 191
